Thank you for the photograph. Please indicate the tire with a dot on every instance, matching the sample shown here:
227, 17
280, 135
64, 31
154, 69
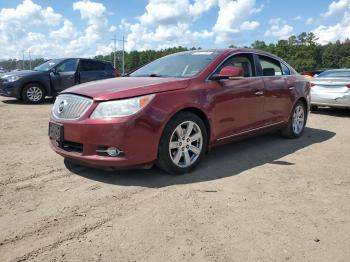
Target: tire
71, 165
297, 121
314, 108
180, 155
33, 93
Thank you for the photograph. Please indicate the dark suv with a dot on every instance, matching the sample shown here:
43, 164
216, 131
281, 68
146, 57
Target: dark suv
52, 77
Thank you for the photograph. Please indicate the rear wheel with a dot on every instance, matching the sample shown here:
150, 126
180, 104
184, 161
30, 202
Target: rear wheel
183, 144
297, 121
33, 93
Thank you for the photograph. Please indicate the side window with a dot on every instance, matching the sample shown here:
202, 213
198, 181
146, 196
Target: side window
67, 66
109, 67
270, 67
89, 65
243, 61
285, 70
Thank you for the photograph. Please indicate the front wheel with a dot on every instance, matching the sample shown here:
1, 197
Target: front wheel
183, 144
33, 93
297, 121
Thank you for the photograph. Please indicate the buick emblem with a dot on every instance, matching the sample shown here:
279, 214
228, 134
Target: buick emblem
61, 106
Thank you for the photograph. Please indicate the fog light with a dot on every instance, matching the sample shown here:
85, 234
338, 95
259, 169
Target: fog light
108, 151
113, 151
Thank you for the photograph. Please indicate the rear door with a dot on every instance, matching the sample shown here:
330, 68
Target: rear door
64, 75
279, 89
91, 70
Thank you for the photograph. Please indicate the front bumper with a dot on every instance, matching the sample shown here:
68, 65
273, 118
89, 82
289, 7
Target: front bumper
9, 89
138, 138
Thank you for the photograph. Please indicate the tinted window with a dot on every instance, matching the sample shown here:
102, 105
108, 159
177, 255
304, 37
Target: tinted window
109, 67
335, 73
67, 66
89, 65
285, 69
244, 61
186, 64
270, 67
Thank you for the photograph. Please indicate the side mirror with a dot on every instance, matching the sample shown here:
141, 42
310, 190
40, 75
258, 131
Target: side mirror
229, 72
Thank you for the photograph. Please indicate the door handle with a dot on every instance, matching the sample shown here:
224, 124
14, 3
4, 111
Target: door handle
259, 93
291, 88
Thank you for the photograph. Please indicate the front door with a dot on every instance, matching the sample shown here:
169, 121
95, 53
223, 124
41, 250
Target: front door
240, 102
64, 75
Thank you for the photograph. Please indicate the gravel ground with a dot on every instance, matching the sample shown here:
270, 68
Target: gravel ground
262, 199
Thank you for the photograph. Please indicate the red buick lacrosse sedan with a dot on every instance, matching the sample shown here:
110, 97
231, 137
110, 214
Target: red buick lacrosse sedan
175, 109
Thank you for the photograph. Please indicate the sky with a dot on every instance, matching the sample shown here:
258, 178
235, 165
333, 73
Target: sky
85, 28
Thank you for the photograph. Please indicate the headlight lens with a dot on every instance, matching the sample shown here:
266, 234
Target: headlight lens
11, 78
121, 108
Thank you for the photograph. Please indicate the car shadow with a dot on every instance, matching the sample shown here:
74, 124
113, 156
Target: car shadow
224, 161
338, 112
21, 102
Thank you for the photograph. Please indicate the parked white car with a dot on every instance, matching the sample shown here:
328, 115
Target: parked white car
331, 88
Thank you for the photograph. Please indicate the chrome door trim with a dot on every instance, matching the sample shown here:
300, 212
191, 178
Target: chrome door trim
251, 130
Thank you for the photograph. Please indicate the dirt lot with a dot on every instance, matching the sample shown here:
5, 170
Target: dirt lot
263, 199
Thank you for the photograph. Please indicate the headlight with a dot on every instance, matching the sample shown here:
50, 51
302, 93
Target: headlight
11, 78
120, 108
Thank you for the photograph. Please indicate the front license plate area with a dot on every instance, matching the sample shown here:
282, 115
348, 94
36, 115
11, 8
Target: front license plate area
56, 131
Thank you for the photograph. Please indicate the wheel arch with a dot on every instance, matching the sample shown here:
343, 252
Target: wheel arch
47, 88
200, 113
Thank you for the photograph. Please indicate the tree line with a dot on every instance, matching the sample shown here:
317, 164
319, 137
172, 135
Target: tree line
302, 52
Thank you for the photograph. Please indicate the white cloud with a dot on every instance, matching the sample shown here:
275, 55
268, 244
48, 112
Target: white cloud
28, 14
167, 23
339, 31
337, 7
47, 33
232, 19
249, 25
67, 31
279, 29
309, 21
112, 28
298, 18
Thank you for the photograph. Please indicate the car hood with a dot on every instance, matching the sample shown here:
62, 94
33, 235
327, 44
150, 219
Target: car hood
23, 73
123, 87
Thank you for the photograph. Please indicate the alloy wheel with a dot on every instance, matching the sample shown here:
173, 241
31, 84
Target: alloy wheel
298, 119
186, 143
34, 93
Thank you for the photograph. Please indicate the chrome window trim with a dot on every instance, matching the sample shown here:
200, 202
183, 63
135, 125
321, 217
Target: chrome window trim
248, 53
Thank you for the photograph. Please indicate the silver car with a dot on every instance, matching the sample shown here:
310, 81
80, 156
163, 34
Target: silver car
331, 88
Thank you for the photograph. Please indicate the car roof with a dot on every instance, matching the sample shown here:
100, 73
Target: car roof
92, 59
341, 69
236, 50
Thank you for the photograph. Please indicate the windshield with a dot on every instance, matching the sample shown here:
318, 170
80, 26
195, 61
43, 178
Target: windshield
186, 64
335, 73
48, 65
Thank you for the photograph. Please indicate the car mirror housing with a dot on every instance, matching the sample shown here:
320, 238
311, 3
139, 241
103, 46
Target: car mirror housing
229, 72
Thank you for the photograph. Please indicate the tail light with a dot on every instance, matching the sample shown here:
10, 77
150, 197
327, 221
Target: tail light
348, 85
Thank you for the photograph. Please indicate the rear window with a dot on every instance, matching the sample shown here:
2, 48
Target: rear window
88, 65
340, 73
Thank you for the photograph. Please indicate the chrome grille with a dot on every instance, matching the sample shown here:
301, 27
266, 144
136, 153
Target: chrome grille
70, 107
